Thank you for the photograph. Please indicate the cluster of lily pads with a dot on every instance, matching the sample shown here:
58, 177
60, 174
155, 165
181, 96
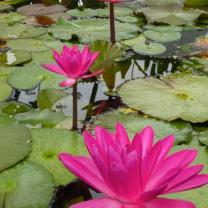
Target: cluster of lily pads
31, 138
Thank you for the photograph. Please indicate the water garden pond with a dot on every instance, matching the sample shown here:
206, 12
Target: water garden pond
155, 74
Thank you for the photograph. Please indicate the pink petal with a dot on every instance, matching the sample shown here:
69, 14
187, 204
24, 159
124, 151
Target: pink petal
59, 60
54, 68
67, 83
119, 179
121, 135
98, 203
85, 171
183, 176
98, 72
169, 203
194, 182
179, 159
147, 137
154, 158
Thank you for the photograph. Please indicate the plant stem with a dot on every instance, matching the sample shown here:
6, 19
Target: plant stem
74, 124
112, 24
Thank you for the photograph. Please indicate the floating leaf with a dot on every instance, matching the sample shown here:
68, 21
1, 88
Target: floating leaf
162, 3
121, 13
196, 2
135, 122
45, 20
15, 144
6, 119
26, 185
34, 44
88, 30
32, 76
5, 90
11, 17
162, 36
48, 143
46, 118
142, 46
12, 58
47, 97
180, 95
5, 8
40, 9
20, 31
12, 108
172, 17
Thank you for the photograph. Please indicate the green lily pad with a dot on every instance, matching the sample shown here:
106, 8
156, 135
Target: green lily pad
20, 31
11, 17
5, 8
42, 57
48, 143
6, 119
47, 97
161, 3
91, 29
142, 46
161, 36
12, 108
4, 72
15, 144
196, 2
27, 185
32, 76
135, 122
46, 118
179, 95
40, 9
201, 134
197, 196
121, 13
34, 44
5, 90
12, 58
172, 17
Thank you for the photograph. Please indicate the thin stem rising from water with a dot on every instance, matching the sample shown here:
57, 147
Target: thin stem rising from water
112, 24
74, 122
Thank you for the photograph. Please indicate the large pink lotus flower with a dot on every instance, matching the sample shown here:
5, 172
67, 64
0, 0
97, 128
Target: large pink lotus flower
73, 64
134, 174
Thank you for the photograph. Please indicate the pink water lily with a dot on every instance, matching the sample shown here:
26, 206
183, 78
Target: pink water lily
73, 64
135, 174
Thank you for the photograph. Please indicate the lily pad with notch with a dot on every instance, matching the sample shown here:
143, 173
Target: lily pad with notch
155, 97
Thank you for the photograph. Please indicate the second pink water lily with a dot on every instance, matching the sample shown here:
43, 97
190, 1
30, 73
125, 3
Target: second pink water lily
135, 174
73, 64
